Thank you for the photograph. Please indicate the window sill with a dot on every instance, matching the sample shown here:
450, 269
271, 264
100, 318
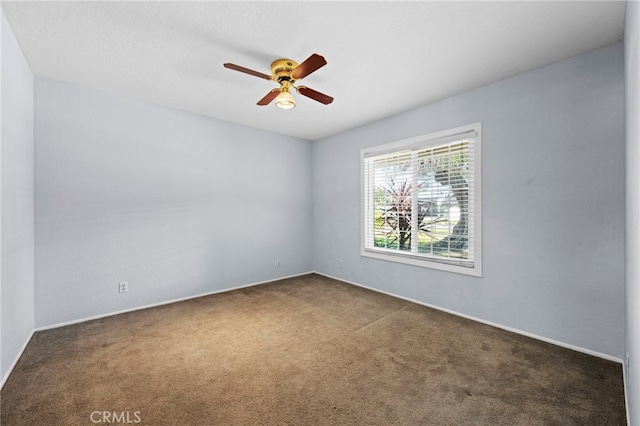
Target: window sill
475, 270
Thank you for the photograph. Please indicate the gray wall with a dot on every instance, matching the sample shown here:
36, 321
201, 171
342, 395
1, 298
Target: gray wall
176, 204
553, 204
632, 112
17, 229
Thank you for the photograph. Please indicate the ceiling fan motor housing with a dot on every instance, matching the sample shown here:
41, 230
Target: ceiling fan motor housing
281, 70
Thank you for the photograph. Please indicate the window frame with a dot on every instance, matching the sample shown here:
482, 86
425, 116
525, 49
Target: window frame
470, 131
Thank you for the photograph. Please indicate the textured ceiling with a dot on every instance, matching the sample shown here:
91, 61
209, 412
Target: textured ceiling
383, 57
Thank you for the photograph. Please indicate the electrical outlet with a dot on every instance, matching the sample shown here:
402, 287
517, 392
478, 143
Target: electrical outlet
123, 287
341, 263
278, 263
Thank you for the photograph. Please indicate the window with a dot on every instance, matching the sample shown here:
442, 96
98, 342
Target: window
421, 201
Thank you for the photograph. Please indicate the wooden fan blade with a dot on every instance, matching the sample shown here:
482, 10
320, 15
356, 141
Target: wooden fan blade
269, 97
309, 65
247, 71
315, 95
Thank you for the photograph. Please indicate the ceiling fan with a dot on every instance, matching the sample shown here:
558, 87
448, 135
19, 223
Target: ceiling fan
287, 72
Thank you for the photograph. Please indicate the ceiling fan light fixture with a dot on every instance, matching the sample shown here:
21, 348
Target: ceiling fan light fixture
285, 100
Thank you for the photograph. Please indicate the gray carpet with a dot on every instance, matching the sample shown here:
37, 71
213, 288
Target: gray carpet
304, 351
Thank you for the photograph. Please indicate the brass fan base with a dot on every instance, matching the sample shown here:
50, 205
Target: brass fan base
281, 69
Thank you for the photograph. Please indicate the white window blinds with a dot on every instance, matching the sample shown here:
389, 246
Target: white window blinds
420, 199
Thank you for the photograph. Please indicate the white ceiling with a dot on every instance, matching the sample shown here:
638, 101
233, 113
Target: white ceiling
383, 57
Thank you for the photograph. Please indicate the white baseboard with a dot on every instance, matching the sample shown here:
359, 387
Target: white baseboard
626, 396
15, 361
503, 327
167, 302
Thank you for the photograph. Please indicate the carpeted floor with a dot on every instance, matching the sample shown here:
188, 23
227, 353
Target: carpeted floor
304, 351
